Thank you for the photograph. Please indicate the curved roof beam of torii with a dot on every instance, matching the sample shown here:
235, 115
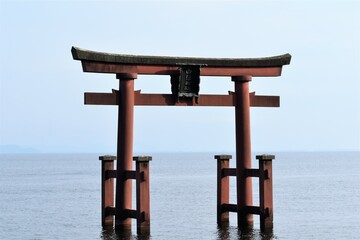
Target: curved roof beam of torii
87, 55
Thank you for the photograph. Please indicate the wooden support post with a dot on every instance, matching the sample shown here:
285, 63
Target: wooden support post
243, 149
266, 191
107, 190
124, 151
143, 194
223, 188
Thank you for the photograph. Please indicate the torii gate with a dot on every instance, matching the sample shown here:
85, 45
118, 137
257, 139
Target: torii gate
185, 75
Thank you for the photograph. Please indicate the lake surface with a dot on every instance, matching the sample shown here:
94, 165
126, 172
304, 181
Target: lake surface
57, 196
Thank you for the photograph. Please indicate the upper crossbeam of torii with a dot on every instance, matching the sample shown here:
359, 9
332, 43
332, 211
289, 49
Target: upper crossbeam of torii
183, 85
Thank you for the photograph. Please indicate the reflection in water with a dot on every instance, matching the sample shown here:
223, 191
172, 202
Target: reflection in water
226, 232
111, 234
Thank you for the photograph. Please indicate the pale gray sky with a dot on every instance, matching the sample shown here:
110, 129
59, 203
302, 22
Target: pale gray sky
41, 86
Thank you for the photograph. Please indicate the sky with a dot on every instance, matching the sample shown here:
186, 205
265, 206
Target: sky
41, 86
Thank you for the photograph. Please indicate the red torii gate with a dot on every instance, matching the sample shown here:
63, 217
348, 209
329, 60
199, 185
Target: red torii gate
185, 80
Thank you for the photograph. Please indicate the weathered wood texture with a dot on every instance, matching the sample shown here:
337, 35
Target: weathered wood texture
162, 65
87, 55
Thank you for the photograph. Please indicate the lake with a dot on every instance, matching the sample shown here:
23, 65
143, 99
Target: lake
57, 196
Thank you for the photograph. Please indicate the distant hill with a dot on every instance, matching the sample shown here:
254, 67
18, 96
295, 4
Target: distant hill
16, 149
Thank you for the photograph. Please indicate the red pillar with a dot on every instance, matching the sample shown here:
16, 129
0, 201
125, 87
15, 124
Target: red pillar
266, 191
107, 190
124, 150
223, 188
143, 194
243, 149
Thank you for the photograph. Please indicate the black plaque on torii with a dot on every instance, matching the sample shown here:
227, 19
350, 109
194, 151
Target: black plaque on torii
186, 84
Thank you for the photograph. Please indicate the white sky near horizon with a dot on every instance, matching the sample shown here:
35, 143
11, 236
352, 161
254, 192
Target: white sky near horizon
41, 86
